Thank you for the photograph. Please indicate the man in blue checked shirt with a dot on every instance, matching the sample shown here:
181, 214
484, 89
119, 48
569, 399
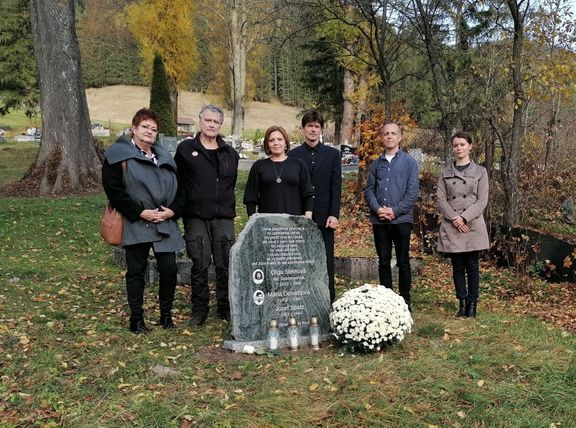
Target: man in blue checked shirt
391, 192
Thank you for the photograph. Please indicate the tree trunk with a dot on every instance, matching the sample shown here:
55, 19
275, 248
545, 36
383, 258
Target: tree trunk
511, 151
551, 140
362, 96
386, 87
238, 65
489, 151
427, 24
388, 101
337, 131
347, 110
275, 76
67, 161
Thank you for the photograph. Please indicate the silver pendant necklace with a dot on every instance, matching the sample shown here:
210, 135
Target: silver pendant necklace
278, 175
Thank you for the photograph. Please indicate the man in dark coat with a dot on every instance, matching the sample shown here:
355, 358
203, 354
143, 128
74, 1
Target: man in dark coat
207, 171
324, 165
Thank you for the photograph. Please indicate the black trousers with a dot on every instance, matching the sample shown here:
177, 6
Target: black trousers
328, 237
205, 240
136, 262
465, 270
397, 235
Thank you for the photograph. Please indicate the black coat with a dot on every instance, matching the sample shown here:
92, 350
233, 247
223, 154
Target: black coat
326, 172
209, 188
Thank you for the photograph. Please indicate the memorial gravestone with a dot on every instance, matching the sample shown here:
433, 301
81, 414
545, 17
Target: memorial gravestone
277, 271
418, 155
170, 144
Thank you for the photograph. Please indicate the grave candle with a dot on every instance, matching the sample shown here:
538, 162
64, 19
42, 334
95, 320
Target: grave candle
293, 333
314, 333
273, 335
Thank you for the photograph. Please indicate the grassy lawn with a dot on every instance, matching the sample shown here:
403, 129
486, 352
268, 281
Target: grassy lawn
15, 158
16, 121
69, 360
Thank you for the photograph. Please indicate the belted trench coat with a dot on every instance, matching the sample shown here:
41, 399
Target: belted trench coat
463, 194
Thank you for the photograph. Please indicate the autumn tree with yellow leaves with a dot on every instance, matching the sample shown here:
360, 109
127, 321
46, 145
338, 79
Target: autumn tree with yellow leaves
164, 28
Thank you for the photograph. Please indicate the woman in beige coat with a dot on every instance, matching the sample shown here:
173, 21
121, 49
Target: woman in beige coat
462, 196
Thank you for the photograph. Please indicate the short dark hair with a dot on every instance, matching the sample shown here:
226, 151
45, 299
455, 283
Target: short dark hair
465, 135
145, 114
392, 122
312, 116
267, 137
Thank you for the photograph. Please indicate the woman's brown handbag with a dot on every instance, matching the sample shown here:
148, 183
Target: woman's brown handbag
111, 225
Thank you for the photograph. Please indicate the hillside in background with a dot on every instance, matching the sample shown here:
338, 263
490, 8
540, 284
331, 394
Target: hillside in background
117, 104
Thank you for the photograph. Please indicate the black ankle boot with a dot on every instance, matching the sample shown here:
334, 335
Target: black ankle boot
471, 309
137, 326
461, 308
166, 321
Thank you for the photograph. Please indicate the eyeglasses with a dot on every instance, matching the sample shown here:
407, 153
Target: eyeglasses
149, 128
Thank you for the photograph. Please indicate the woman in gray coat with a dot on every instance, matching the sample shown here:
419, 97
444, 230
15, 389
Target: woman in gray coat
462, 196
140, 181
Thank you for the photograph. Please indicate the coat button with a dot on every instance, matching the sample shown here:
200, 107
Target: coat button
464, 196
453, 197
454, 183
464, 182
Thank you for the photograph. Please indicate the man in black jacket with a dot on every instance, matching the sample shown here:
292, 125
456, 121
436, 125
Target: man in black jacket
207, 170
324, 165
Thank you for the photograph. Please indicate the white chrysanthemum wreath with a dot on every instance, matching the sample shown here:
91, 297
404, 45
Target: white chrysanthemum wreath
369, 318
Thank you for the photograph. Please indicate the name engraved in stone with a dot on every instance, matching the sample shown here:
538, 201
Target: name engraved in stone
290, 310
292, 293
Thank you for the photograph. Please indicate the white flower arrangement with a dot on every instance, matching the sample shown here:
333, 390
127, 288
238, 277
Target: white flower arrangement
370, 317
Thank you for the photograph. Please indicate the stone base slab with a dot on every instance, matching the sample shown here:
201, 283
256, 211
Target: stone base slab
366, 268
184, 265
358, 268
